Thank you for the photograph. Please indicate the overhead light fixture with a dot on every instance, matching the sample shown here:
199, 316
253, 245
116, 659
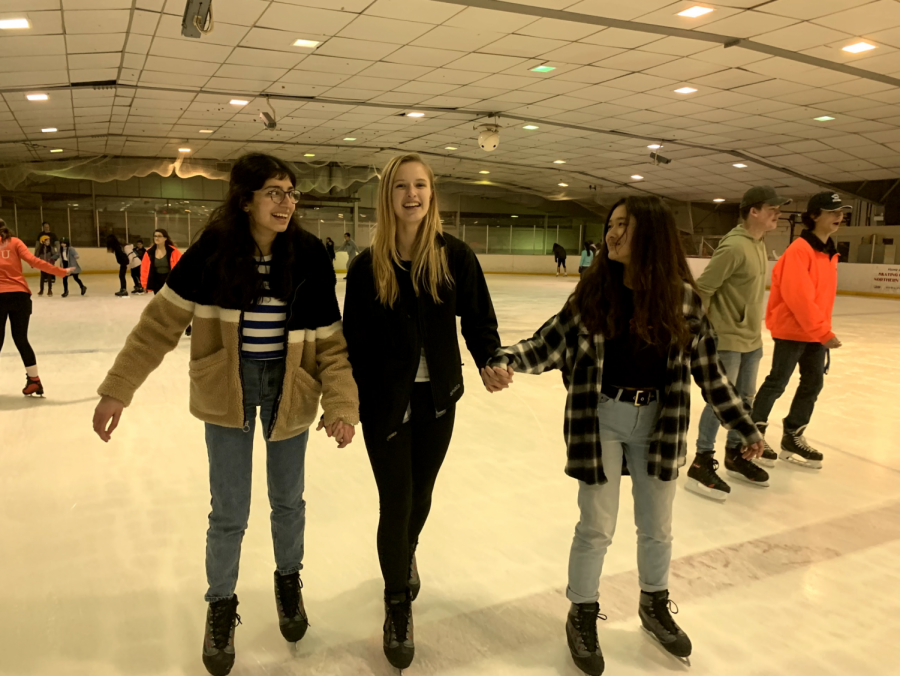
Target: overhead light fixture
184, 150
654, 146
415, 115
309, 155
563, 185
559, 161
36, 97
484, 171
451, 148
859, 47
530, 127
685, 90
206, 131
695, 11
56, 150
543, 69
824, 118
309, 44
9, 24
349, 138
238, 102
49, 130
514, 216
718, 199
637, 177
739, 166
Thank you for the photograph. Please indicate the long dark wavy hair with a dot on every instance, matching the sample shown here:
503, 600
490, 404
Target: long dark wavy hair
660, 270
230, 269
164, 233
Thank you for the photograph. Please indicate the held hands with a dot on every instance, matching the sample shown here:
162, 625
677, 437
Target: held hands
754, 451
108, 409
496, 378
833, 344
69, 271
339, 430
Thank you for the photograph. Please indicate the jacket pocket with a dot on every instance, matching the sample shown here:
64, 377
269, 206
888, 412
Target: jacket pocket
304, 400
209, 380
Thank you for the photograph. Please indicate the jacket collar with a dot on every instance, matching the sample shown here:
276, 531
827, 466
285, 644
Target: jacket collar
818, 245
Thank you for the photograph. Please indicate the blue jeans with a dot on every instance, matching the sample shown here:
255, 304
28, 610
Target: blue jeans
787, 355
230, 468
741, 368
625, 431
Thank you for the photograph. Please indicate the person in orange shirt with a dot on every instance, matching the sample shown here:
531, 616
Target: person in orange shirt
15, 300
804, 285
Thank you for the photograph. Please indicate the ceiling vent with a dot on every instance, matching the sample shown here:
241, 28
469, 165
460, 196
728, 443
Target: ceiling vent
95, 84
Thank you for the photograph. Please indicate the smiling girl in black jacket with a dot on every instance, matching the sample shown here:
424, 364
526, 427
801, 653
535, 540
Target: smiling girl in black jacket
403, 297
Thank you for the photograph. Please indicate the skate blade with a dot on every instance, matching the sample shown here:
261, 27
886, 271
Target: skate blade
799, 461
744, 480
762, 462
697, 488
686, 661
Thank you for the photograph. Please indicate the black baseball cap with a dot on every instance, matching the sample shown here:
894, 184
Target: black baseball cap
763, 194
826, 201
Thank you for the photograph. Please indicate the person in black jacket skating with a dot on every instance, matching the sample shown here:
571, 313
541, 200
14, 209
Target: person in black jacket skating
403, 297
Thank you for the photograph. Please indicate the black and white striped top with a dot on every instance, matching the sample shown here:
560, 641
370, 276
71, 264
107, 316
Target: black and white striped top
263, 333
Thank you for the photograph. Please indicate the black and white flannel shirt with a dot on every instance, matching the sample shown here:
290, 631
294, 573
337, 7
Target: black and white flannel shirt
564, 343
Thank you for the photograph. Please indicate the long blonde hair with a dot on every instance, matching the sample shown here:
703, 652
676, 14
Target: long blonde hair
430, 269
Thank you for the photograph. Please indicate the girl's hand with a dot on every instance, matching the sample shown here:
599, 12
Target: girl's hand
339, 430
108, 409
69, 271
496, 378
753, 451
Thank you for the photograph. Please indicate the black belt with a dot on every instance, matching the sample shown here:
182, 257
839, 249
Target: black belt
633, 396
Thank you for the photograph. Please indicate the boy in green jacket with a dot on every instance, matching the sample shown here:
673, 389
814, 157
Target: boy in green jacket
733, 288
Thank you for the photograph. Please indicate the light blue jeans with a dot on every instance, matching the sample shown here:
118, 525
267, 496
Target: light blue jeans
741, 368
625, 431
230, 469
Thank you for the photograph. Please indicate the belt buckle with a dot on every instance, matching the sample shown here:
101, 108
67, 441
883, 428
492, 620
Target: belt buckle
637, 397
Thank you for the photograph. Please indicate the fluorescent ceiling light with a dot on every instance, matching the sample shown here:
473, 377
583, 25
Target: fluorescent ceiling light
349, 138
654, 146
514, 216
309, 155
543, 69
685, 90
450, 148
695, 11
637, 177
56, 150
739, 166
859, 47
184, 150
7, 24
238, 102
36, 97
311, 44
824, 118
415, 115
206, 131
718, 199
559, 161
49, 130
484, 171
530, 127
563, 185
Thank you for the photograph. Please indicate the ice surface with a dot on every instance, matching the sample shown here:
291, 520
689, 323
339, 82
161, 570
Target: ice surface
102, 545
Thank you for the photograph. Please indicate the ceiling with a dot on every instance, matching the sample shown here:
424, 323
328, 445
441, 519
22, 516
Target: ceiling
610, 95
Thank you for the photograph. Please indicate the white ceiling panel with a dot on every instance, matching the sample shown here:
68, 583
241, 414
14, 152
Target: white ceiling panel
618, 9
559, 30
90, 43
867, 18
356, 49
281, 16
97, 21
581, 53
387, 30
522, 45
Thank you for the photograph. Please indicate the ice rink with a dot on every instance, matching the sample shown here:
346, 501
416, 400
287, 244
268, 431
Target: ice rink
102, 569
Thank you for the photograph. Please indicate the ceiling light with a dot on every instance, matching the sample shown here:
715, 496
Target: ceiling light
530, 127
718, 199
184, 150
654, 146
56, 150
739, 166
563, 185
36, 97
514, 216
559, 161
206, 131
309, 155
484, 171
49, 130
7, 24
415, 115
310, 44
349, 138
824, 118
685, 90
543, 69
859, 47
637, 177
238, 102
450, 148
695, 11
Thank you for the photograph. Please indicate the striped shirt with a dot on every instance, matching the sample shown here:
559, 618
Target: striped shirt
264, 325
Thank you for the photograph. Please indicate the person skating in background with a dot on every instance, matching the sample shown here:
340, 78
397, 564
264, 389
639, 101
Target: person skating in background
804, 285
587, 257
627, 343
49, 253
329, 247
113, 246
46, 230
262, 294
733, 289
134, 266
158, 262
404, 294
350, 247
15, 301
559, 257
68, 258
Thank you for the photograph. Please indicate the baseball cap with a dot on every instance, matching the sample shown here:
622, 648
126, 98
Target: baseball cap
763, 193
826, 201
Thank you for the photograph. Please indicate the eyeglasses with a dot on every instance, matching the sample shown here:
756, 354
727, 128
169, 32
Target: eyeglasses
277, 195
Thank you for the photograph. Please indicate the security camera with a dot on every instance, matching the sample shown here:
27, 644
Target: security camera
659, 159
489, 137
197, 18
267, 120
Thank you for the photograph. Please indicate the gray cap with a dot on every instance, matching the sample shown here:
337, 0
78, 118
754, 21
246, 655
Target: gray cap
765, 194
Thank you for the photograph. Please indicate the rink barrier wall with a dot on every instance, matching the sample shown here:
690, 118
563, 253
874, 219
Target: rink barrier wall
854, 279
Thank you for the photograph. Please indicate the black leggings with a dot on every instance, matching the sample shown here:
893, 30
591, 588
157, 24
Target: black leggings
406, 468
122, 269
66, 282
17, 306
49, 279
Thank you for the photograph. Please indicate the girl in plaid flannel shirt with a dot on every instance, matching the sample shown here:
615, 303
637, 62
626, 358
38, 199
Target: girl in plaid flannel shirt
627, 342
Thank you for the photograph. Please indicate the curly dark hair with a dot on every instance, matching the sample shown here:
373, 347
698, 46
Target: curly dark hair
660, 271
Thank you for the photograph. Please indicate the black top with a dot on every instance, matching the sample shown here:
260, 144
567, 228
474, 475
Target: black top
330, 249
385, 343
631, 362
818, 245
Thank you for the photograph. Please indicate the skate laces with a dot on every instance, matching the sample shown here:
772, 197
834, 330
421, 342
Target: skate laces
588, 614
400, 615
663, 609
801, 442
223, 618
289, 587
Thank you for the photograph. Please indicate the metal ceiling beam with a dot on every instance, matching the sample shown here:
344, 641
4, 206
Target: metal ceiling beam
702, 36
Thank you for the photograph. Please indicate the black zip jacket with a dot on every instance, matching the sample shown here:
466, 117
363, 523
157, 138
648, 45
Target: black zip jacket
385, 343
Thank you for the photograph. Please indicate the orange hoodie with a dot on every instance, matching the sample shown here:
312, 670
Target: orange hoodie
804, 284
12, 252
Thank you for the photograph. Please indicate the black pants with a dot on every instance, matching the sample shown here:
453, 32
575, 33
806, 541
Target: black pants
122, 269
17, 306
406, 468
787, 355
48, 278
157, 282
66, 282
136, 277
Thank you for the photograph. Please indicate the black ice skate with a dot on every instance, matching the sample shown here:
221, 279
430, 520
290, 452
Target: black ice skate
122, 293
292, 618
769, 456
414, 584
218, 641
581, 633
656, 617
399, 647
33, 387
795, 449
83, 290
703, 480
744, 470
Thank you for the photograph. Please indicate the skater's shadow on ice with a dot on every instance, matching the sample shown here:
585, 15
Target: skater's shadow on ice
14, 403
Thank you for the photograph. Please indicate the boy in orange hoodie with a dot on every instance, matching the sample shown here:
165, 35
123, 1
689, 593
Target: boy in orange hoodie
804, 284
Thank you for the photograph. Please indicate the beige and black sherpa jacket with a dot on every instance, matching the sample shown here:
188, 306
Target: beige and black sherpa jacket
316, 352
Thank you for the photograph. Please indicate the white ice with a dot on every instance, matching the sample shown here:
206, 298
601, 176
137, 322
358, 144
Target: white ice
102, 569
